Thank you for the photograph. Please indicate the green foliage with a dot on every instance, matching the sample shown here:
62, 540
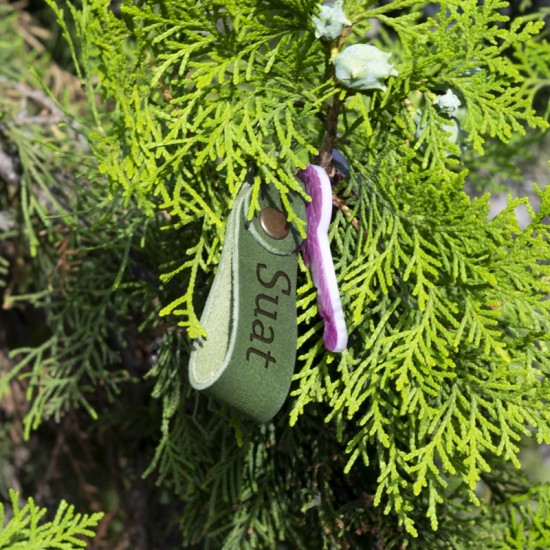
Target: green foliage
3, 271
209, 90
532, 509
28, 132
24, 527
446, 372
54, 221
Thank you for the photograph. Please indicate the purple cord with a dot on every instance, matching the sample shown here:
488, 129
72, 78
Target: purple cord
318, 258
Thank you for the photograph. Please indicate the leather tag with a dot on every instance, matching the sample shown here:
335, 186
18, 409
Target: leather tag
247, 360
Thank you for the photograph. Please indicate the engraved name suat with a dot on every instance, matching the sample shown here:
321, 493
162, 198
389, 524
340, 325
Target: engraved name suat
262, 332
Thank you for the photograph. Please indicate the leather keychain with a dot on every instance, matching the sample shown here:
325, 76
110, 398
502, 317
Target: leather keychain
247, 360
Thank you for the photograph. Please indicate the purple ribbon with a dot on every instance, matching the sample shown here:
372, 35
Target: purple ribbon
318, 258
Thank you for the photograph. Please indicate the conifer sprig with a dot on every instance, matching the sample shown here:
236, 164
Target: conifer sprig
445, 373
429, 297
24, 528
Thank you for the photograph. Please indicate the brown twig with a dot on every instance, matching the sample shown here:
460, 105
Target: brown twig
325, 155
341, 205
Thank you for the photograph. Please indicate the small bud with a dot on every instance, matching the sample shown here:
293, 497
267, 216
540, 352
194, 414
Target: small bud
330, 21
448, 102
363, 67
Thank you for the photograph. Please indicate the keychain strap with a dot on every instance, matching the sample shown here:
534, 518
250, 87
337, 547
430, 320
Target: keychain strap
247, 359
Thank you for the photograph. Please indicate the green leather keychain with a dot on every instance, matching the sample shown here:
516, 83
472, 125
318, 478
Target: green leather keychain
247, 359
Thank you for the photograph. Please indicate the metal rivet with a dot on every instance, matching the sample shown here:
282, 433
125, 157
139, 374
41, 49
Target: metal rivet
274, 223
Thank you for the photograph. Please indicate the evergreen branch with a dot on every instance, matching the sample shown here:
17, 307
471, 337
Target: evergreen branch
27, 530
444, 375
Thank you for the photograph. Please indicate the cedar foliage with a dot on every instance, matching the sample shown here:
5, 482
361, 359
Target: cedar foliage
412, 435
27, 530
